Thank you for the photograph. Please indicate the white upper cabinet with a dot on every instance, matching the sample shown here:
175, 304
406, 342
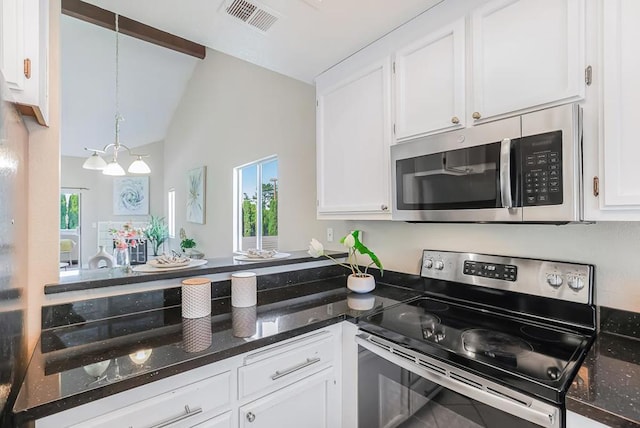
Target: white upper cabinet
429, 83
353, 138
24, 38
526, 53
618, 151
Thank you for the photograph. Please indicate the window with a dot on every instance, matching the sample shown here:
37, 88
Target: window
256, 205
171, 213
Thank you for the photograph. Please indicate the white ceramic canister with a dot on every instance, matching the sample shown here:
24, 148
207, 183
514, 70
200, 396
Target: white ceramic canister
243, 321
196, 297
244, 289
196, 334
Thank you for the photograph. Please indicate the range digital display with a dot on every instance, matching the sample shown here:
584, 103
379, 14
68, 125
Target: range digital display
491, 270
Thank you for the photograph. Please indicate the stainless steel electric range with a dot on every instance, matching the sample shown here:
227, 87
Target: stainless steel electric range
494, 342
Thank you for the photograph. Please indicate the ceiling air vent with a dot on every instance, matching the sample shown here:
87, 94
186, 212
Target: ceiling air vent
252, 14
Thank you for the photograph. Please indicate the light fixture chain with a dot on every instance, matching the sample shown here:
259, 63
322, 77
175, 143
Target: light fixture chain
117, 67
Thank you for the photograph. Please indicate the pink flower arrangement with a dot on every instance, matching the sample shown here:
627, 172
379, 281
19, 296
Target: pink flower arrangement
126, 237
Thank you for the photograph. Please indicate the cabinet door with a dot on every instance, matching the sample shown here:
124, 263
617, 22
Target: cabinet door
222, 421
307, 403
24, 36
429, 83
353, 138
526, 53
12, 47
620, 149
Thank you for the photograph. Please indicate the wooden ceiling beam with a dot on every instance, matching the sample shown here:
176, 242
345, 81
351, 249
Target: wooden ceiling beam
104, 18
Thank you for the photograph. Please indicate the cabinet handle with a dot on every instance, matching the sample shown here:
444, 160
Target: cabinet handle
455, 120
476, 115
188, 414
383, 207
308, 362
27, 68
251, 417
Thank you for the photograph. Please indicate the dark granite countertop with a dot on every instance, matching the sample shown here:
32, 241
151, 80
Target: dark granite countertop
607, 387
98, 278
66, 354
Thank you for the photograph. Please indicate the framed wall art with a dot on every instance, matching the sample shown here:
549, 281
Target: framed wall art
131, 196
196, 188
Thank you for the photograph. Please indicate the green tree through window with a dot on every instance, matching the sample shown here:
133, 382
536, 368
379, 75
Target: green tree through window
258, 212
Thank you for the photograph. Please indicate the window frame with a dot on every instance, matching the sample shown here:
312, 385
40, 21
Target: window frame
237, 201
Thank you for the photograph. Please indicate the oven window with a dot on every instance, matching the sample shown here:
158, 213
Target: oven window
457, 179
390, 396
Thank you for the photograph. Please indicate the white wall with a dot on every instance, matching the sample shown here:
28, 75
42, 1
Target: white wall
233, 113
612, 247
97, 201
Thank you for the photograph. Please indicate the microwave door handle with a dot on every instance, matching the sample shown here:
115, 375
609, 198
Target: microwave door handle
505, 173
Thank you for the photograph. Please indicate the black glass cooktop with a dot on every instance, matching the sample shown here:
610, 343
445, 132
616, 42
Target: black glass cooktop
534, 357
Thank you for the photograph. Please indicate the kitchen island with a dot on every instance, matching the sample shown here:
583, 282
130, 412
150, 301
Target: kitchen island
67, 355
141, 339
86, 279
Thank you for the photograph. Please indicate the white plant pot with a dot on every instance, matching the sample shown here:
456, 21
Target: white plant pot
361, 284
360, 301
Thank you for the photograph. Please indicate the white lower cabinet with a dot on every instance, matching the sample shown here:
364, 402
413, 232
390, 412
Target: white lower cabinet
293, 383
222, 421
306, 403
179, 401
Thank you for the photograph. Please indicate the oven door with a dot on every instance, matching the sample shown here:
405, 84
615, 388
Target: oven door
394, 391
469, 175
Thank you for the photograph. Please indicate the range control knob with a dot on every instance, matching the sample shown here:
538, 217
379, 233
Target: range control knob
554, 280
438, 264
428, 263
575, 282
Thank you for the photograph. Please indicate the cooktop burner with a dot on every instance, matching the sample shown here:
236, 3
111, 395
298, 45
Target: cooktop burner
481, 337
494, 343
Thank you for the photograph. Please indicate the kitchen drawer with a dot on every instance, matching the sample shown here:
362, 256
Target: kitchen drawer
181, 407
280, 366
221, 421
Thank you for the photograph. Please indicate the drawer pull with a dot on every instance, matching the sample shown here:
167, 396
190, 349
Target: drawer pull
188, 414
279, 374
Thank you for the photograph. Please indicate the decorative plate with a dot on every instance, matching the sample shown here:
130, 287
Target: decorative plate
247, 258
156, 264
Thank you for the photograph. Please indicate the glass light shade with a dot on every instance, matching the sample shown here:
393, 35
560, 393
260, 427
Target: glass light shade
113, 168
94, 162
141, 356
139, 166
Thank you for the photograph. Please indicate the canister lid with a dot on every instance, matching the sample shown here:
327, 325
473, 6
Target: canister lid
196, 281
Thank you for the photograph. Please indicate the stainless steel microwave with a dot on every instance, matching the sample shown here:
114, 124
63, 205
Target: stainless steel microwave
524, 169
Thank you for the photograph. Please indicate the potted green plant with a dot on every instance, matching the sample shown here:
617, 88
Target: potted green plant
157, 232
359, 281
188, 246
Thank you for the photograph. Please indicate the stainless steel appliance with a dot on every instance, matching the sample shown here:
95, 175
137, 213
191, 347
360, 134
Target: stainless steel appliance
520, 169
493, 342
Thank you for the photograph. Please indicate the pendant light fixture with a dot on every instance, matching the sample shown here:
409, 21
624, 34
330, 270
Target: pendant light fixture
95, 161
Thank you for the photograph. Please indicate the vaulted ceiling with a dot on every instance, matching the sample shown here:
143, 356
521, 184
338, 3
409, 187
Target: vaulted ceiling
298, 38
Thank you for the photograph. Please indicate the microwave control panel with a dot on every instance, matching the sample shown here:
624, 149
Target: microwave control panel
542, 169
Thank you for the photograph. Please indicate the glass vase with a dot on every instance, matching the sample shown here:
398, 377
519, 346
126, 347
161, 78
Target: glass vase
121, 259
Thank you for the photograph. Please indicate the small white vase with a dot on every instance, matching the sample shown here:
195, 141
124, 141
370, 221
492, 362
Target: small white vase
102, 256
361, 284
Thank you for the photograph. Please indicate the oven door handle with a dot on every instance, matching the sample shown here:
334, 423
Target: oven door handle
505, 173
532, 411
